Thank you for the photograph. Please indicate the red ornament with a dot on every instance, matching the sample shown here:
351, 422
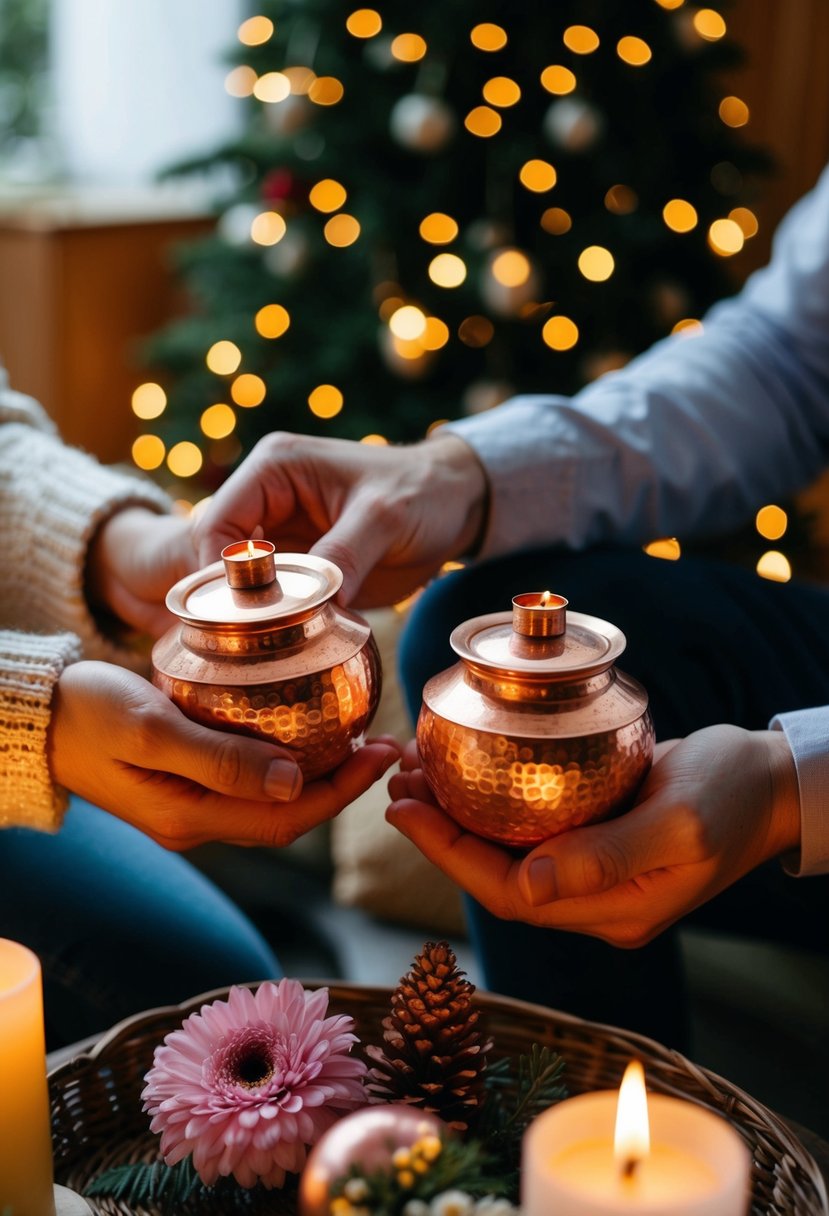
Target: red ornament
281, 186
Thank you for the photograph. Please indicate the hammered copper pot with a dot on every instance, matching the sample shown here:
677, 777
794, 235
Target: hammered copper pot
534, 731
261, 648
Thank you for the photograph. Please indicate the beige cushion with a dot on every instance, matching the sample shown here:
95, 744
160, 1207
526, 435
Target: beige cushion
375, 868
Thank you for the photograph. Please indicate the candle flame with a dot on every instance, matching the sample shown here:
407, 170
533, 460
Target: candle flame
546, 596
632, 1139
251, 550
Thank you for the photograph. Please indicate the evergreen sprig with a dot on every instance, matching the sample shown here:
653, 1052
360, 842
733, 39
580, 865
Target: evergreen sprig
148, 1182
516, 1093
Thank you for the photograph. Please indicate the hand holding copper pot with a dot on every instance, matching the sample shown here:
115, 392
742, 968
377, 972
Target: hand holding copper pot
262, 648
534, 731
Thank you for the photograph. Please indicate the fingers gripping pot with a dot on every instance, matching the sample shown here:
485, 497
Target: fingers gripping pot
261, 648
534, 731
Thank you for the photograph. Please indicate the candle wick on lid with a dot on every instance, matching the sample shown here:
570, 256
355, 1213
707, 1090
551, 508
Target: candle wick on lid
546, 596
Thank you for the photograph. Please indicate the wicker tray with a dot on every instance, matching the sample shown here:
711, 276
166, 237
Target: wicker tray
97, 1119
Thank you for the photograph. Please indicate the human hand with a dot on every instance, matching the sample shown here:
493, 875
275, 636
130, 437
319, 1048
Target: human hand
714, 806
119, 742
133, 560
387, 516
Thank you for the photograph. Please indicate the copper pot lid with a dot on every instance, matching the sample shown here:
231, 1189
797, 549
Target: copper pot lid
540, 638
278, 588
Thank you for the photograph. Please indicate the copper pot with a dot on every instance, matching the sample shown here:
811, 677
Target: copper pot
262, 649
534, 731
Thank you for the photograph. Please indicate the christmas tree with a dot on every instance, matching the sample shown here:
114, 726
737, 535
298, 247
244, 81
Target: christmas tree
437, 206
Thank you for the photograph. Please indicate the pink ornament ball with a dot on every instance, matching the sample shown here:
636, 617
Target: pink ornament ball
368, 1138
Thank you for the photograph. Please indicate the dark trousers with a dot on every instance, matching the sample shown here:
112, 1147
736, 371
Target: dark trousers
711, 643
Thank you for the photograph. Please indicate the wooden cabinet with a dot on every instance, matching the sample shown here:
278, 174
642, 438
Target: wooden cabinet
83, 279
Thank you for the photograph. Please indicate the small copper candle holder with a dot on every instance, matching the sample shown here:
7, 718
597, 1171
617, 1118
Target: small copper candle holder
534, 731
261, 648
249, 563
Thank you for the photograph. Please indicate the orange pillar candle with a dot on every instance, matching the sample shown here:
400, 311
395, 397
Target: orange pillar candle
25, 1138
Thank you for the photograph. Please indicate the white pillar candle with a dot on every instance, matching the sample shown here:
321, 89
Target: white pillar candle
692, 1163
25, 1135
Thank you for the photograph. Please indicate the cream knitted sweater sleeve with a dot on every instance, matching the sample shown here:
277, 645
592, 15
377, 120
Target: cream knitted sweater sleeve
52, 499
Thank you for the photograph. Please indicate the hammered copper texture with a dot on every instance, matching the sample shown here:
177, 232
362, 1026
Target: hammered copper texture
521, 791
319, 715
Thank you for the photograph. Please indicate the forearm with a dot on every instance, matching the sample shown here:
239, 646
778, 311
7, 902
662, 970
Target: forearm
689, 438
53, 500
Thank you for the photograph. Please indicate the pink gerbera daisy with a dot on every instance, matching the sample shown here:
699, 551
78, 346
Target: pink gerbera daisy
248, 1084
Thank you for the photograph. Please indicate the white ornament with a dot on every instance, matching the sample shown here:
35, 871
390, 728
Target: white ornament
289, 256
234, 224
573, 124
422, 124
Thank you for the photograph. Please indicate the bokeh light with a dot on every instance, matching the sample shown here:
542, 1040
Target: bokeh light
149, 400
267, 228
558, 79
255, 31
733, 111
680, 215
408, 48
726, 237
511, 268
667, 547
148, 452
488, 37
596, 263
775, 566
501, 91
325, 401
633, 51
483, 121
556, 221
581, 39
560, 333
771, 522
248, 390
746, 219
709, 24
184, 459
327, 195
621, 200
223, 358
438, 228
376, 441
240, 81
538, 176
447, 270
272, 87
341, 230
326, 91
272, 321
217, 421
364, 23
476, 331
408, 323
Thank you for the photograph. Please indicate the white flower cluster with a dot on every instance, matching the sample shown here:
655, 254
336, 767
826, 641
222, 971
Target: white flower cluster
458, 1203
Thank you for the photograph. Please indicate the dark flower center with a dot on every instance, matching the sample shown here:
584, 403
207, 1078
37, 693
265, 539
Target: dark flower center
253, 1067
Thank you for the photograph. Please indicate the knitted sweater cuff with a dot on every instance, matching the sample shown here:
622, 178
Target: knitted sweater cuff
30, 666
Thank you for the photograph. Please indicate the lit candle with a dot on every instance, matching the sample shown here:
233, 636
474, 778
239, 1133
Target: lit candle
25, 1138
608, 1154
539, 614
249, 563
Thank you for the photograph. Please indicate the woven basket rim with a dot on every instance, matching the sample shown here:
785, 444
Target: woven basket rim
758, 1115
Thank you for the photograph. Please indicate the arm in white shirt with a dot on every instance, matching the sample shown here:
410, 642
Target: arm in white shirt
690, 438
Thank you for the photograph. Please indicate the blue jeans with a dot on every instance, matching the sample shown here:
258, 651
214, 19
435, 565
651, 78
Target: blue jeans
119, 924
711, 642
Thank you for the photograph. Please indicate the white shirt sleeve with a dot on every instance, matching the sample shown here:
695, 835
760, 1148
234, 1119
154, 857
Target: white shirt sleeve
807, 731
690, 437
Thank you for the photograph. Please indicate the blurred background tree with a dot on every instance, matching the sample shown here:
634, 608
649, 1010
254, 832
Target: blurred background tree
24, 62
436, 206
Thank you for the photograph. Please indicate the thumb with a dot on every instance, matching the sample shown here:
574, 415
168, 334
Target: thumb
356, 542
589, 860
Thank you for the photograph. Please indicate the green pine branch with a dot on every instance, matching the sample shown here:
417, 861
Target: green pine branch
143, 1182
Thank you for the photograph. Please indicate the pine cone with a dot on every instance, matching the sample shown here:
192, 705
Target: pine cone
434, 1054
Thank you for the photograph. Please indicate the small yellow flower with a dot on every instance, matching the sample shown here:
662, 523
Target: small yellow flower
401, 1158
406, 1179
341, 1206
429, 1147
356, 1189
